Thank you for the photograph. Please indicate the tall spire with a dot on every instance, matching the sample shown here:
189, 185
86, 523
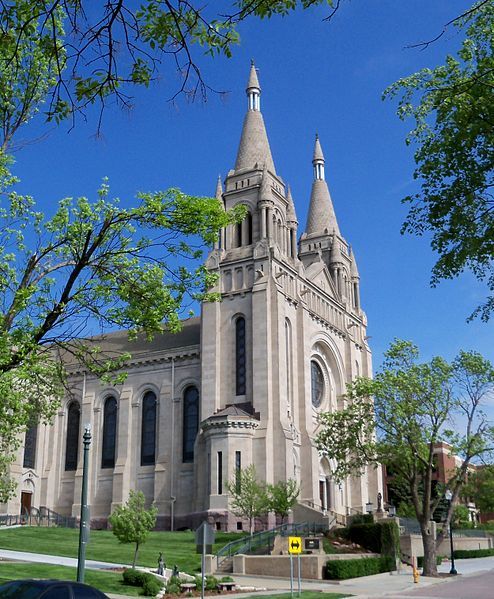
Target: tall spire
291, 215
254, 145
321, 218
219, 189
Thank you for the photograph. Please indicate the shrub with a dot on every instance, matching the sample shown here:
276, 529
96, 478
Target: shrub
381, 537
468, 553
353, 568
152, 586
211, 583
227, 579
420, 561
133, 577
362, 519
173, 585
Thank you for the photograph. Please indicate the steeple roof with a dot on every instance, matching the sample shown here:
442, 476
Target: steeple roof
321, 218
219, 189
254, 145
253, 82
291, 215
318, 155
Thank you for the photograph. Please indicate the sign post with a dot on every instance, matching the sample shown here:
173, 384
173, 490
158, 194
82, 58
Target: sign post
204, 539
294, 548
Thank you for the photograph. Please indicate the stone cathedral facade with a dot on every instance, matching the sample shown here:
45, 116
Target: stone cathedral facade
242, 384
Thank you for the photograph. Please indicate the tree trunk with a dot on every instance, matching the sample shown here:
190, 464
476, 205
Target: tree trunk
429, 542
135, 555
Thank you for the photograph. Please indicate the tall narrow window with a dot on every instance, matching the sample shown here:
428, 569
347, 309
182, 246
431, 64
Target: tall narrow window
288, 351
30, 445
109, 433
190, 422
148, 429
72, 440
220, 473
240, 356
238, 470
249, 228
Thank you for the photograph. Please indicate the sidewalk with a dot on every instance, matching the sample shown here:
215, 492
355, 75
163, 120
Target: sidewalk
379, 585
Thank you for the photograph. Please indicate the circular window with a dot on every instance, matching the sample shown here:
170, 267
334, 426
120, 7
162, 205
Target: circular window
317, 383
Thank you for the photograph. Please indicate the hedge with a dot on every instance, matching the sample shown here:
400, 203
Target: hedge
468, 553
420, 560
379, 537
342, 569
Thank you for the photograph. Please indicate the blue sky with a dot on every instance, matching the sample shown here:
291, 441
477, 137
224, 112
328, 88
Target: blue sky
315, 77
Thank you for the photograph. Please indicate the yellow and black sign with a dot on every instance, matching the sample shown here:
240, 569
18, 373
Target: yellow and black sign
294, 544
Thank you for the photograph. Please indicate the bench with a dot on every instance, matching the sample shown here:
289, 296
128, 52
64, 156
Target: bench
187, 586
226, 586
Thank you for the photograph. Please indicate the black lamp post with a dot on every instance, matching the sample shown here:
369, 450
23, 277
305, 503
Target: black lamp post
84, 523
449, 496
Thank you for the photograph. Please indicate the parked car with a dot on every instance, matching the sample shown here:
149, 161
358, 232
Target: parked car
48, 589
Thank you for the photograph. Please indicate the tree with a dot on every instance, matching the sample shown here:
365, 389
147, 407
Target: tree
453, 109
282, 496
415, 405
248, 495
132, 522
103, 49
91, 267
479, 488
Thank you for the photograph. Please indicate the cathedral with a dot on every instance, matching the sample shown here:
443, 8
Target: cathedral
242, 384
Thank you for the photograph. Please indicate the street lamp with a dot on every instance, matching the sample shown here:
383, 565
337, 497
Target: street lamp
449, 496
84, 522
391, 511
368, 507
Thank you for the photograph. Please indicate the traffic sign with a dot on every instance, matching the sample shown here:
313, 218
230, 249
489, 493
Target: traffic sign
294, 544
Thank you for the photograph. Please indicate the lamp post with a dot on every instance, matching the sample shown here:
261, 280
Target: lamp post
84, 522
449, 496
391, 511
368, 507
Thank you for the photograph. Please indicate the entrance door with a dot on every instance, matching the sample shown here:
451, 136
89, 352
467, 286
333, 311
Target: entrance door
26, 500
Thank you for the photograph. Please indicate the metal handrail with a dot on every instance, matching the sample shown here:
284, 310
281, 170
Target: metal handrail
266, 538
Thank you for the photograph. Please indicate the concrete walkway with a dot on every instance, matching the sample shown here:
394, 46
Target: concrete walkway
379, 585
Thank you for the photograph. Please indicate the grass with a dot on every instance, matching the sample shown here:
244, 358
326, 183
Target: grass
178, 547
108, 582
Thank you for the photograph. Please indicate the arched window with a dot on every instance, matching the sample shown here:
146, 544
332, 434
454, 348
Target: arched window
30, 445
240, 356
72, 441
237, 236
109, 433
317, 383
148, 429
190, 422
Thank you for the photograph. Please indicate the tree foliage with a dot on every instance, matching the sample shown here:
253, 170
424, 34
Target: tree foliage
282, 496
103, 49
91, 267
479, 488
132, 522
415, 405
248, 495
453, 109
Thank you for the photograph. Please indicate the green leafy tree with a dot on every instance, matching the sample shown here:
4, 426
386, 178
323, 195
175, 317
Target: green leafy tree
479, 488
453, 109
103, 49
91, 267
282, 496
415, 405
132, 522
248, 495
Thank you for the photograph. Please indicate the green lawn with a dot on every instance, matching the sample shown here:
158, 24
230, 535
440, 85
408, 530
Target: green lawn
108, 582
177, 547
